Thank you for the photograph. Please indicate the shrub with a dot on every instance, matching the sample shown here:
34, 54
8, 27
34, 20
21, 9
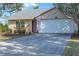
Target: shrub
21, 31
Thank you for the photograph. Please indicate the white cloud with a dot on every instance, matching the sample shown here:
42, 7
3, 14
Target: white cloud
30, 4
34, 4
26, 5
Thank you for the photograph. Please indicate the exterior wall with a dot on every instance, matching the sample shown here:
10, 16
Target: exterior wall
52, 14
12, 24
28, 22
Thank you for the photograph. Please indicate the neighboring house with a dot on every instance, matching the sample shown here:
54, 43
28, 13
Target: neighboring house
42, 21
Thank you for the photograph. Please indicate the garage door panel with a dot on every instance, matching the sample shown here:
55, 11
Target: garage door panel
57, 26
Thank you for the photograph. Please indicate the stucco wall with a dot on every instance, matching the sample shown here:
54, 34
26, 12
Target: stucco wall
12, 24
52, 14
30, 23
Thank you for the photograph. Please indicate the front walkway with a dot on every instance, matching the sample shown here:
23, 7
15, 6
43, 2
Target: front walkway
38, 44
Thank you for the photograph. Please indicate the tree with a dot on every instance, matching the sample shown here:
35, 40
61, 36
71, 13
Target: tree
6, 27
10, 7
1, 27
70, 9
36, 7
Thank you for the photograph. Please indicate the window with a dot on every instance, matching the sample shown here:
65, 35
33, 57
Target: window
20, 24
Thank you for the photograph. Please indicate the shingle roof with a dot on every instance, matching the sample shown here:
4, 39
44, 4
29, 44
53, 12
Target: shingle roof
27, 14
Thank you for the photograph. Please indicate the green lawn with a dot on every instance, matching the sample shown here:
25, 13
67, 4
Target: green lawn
8, 37
72, 49
4, 38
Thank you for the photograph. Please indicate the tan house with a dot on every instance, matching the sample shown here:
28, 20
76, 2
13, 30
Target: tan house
42, 21
24, 19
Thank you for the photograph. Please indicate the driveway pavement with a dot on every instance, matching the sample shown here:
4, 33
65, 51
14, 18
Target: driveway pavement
37, 44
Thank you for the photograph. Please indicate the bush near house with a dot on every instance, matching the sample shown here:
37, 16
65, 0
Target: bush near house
2, 27
21, 31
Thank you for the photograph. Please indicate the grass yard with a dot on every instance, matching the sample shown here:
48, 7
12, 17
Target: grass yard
11, 36
72, 49
8, 37
4, 38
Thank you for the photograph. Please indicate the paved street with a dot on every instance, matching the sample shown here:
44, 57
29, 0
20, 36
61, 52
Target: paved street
37, 44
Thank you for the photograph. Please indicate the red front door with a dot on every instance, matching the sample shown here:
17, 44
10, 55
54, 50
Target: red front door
34, 25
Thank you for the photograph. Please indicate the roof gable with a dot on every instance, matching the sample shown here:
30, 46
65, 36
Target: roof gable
52, 14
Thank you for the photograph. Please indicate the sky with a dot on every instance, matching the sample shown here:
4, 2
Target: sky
30, 6
41, 5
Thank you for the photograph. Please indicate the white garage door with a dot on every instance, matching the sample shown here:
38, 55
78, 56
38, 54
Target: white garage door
57, 26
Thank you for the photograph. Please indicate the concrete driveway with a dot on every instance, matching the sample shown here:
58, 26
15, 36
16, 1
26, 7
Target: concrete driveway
37, 44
